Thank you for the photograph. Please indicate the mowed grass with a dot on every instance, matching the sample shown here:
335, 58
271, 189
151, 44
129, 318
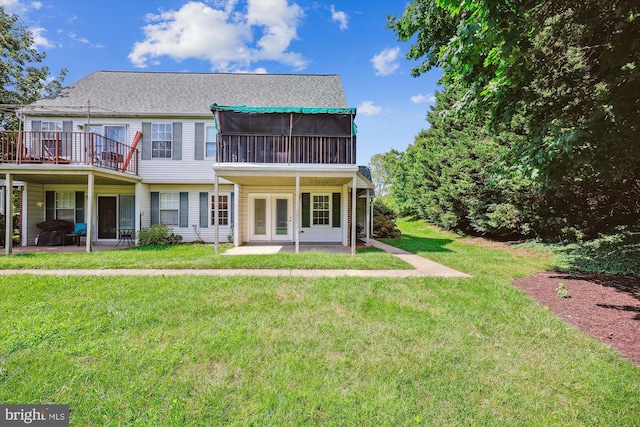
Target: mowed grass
297, 351
194, 256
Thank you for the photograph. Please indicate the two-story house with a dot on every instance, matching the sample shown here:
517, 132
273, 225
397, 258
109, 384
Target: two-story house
217, 157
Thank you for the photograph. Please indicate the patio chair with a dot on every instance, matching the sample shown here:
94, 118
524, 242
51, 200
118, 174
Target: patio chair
79, 230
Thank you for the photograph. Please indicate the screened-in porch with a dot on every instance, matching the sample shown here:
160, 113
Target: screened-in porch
285, 135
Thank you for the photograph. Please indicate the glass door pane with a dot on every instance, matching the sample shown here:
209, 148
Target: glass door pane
127, 211
282, 223
260, 216
106, 217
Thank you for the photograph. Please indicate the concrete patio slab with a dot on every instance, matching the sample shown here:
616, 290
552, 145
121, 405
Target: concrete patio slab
265, 249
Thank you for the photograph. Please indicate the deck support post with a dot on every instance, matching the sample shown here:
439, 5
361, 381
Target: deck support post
353, 215
138, 211
296, 215
215, 214
367, 217
89, 218
236, 214
8, 214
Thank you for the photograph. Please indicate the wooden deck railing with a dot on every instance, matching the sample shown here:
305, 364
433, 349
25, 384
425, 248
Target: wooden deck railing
282, 149
61, 148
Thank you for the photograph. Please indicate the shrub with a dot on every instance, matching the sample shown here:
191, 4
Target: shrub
158, 234
384, 221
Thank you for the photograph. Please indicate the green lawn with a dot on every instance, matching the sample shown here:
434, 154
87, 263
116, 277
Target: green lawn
201, 256
297, 351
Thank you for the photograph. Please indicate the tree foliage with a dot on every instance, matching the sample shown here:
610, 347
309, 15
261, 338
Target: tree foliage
568, 70
449, 176
22, 81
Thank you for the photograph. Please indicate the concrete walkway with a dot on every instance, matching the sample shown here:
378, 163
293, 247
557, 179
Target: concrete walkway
423, 268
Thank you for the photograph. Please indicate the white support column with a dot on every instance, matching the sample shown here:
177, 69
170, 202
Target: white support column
367, 217
89, 213
138, 210
8, 214
25, 215
296, 215
236, 213
215, 214
353, 215
345, 215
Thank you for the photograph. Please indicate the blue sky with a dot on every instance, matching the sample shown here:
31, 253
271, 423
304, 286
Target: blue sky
345, 37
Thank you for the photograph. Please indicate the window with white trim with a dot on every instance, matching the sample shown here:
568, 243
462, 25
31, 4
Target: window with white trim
169, 208
65, 206
321, 209
210, 135
161, 138
223, 209
51, 138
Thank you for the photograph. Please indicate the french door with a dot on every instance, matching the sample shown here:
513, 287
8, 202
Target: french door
270, 217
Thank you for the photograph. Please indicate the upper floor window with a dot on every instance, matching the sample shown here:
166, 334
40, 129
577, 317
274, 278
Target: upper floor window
51, 138
51, 126
210, 140
161, 134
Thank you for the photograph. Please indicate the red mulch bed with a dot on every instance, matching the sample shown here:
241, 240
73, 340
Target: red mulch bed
604, 306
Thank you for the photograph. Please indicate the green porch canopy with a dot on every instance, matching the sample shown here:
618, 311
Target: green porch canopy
300, 110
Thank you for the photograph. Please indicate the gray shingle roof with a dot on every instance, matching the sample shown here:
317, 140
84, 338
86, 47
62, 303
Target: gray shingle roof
123, 93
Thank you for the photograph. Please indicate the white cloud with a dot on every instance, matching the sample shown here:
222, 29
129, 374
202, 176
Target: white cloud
13, 6
422, 99
224, 36
39, 40
73, 36
19, 6
368, 108
340, 17
386, 62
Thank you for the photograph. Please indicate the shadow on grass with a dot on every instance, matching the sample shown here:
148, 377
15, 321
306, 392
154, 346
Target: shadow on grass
416, 244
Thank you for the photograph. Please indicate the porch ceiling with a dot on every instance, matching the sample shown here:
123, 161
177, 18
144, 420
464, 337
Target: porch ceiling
283, 181
310, 175
65, 174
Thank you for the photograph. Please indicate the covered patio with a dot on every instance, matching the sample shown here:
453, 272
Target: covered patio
34, 177
290, 179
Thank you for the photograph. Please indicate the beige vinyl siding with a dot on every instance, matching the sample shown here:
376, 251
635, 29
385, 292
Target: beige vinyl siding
145, 206
35, 214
